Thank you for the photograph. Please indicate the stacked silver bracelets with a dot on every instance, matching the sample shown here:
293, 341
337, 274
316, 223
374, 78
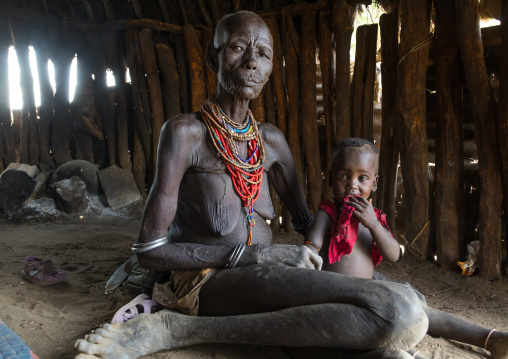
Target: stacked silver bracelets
235, 256
148, 246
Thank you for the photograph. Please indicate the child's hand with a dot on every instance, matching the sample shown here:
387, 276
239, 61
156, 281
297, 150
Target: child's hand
363, 211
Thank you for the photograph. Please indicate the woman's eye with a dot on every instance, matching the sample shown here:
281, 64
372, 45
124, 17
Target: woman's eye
342, 177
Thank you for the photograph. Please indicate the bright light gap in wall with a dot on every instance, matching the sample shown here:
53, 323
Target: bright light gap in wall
15, 96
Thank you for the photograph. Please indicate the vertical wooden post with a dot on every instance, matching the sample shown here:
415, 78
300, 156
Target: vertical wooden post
211, 77
389, 154
291, 50
6, 150
257, 107
277, 77
309, 108
415, 26
364, 78
343, 16
196, 62
62, 59
327, 63
114, 58
449, 159
152, 76
183, 74
503, 110
169, 80
486, 136
46, 107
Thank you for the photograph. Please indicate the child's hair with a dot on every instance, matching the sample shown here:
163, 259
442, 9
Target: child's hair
353, 142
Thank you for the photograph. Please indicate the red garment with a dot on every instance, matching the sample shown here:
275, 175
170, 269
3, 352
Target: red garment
345, 231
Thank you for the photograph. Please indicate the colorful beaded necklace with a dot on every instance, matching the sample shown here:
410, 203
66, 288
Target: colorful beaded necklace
246, 174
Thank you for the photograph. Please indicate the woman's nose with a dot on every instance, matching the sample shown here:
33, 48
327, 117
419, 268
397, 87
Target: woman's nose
251, 60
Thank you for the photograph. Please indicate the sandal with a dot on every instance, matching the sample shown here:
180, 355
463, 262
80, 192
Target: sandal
42, 272
142, 304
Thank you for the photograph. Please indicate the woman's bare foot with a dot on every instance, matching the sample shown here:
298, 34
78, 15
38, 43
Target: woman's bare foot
497, 345
142, 335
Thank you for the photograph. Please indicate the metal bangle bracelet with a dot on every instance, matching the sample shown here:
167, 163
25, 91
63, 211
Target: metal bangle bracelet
302, 225
235, 256
148, 246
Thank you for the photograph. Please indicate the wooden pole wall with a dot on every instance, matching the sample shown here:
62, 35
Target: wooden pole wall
486, 136
411, 102
503, 115
449, 214
389, 152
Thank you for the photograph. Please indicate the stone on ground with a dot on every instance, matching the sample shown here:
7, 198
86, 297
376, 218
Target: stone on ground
32, 171
15, 188
85, 170
70, 195
119, 187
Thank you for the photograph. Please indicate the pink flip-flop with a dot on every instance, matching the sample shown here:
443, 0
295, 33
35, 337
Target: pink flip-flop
42, 272
139, 305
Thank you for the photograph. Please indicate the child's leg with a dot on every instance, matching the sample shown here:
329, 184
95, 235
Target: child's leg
449, 326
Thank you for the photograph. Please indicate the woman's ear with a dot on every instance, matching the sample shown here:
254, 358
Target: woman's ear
212, 58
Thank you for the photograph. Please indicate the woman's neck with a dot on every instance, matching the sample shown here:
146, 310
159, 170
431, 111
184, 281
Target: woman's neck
235, 108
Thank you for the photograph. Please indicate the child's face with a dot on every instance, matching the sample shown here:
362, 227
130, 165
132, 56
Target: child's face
354, 173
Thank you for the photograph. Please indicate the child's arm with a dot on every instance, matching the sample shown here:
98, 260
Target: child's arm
387, 245
318, 229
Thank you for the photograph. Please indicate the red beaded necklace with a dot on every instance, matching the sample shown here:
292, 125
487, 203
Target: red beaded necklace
246, 174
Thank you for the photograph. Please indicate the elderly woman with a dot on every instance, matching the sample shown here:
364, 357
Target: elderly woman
211, 192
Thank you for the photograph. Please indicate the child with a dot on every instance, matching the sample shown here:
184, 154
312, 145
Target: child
352, 237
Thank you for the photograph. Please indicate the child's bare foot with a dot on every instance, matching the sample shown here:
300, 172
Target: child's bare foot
142, 335
497, 345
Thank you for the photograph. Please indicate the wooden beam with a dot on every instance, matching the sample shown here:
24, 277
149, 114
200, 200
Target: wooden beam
196, 62
364, 79
389, 152
411, 102
343, 17
169, 80
449, 149
309, 108
486, 136
503, 112
289, 44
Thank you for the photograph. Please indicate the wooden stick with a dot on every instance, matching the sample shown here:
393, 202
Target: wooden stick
389, 153
131, 37
277, 77
46, 108
486, 137
183, 12
296, 9
113, 57
289, 42
169, 77
309, 108
449, 149
415, 25
269, 104
257, 106
196, 61
204, 13
152, 77
364, 78
211, 77
183, 75
216, 14
139, 165
29, 144
137, 9
503, 107
343, 17
165, 11
328, 79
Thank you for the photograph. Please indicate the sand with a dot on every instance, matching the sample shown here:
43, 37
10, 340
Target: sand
91, 246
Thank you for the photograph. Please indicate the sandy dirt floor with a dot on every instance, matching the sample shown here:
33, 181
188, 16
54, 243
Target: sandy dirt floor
91, 246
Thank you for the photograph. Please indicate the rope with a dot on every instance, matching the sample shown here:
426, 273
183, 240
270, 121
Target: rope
416, 48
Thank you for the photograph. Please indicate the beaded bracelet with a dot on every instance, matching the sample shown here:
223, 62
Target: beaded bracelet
235, 256
313, 244
148, 246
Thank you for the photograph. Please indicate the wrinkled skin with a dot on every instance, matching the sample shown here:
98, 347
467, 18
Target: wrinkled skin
271, 297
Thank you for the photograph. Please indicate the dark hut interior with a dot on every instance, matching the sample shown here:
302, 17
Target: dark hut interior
425, 82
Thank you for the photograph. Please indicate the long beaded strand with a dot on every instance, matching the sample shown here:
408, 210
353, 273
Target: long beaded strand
246, 174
